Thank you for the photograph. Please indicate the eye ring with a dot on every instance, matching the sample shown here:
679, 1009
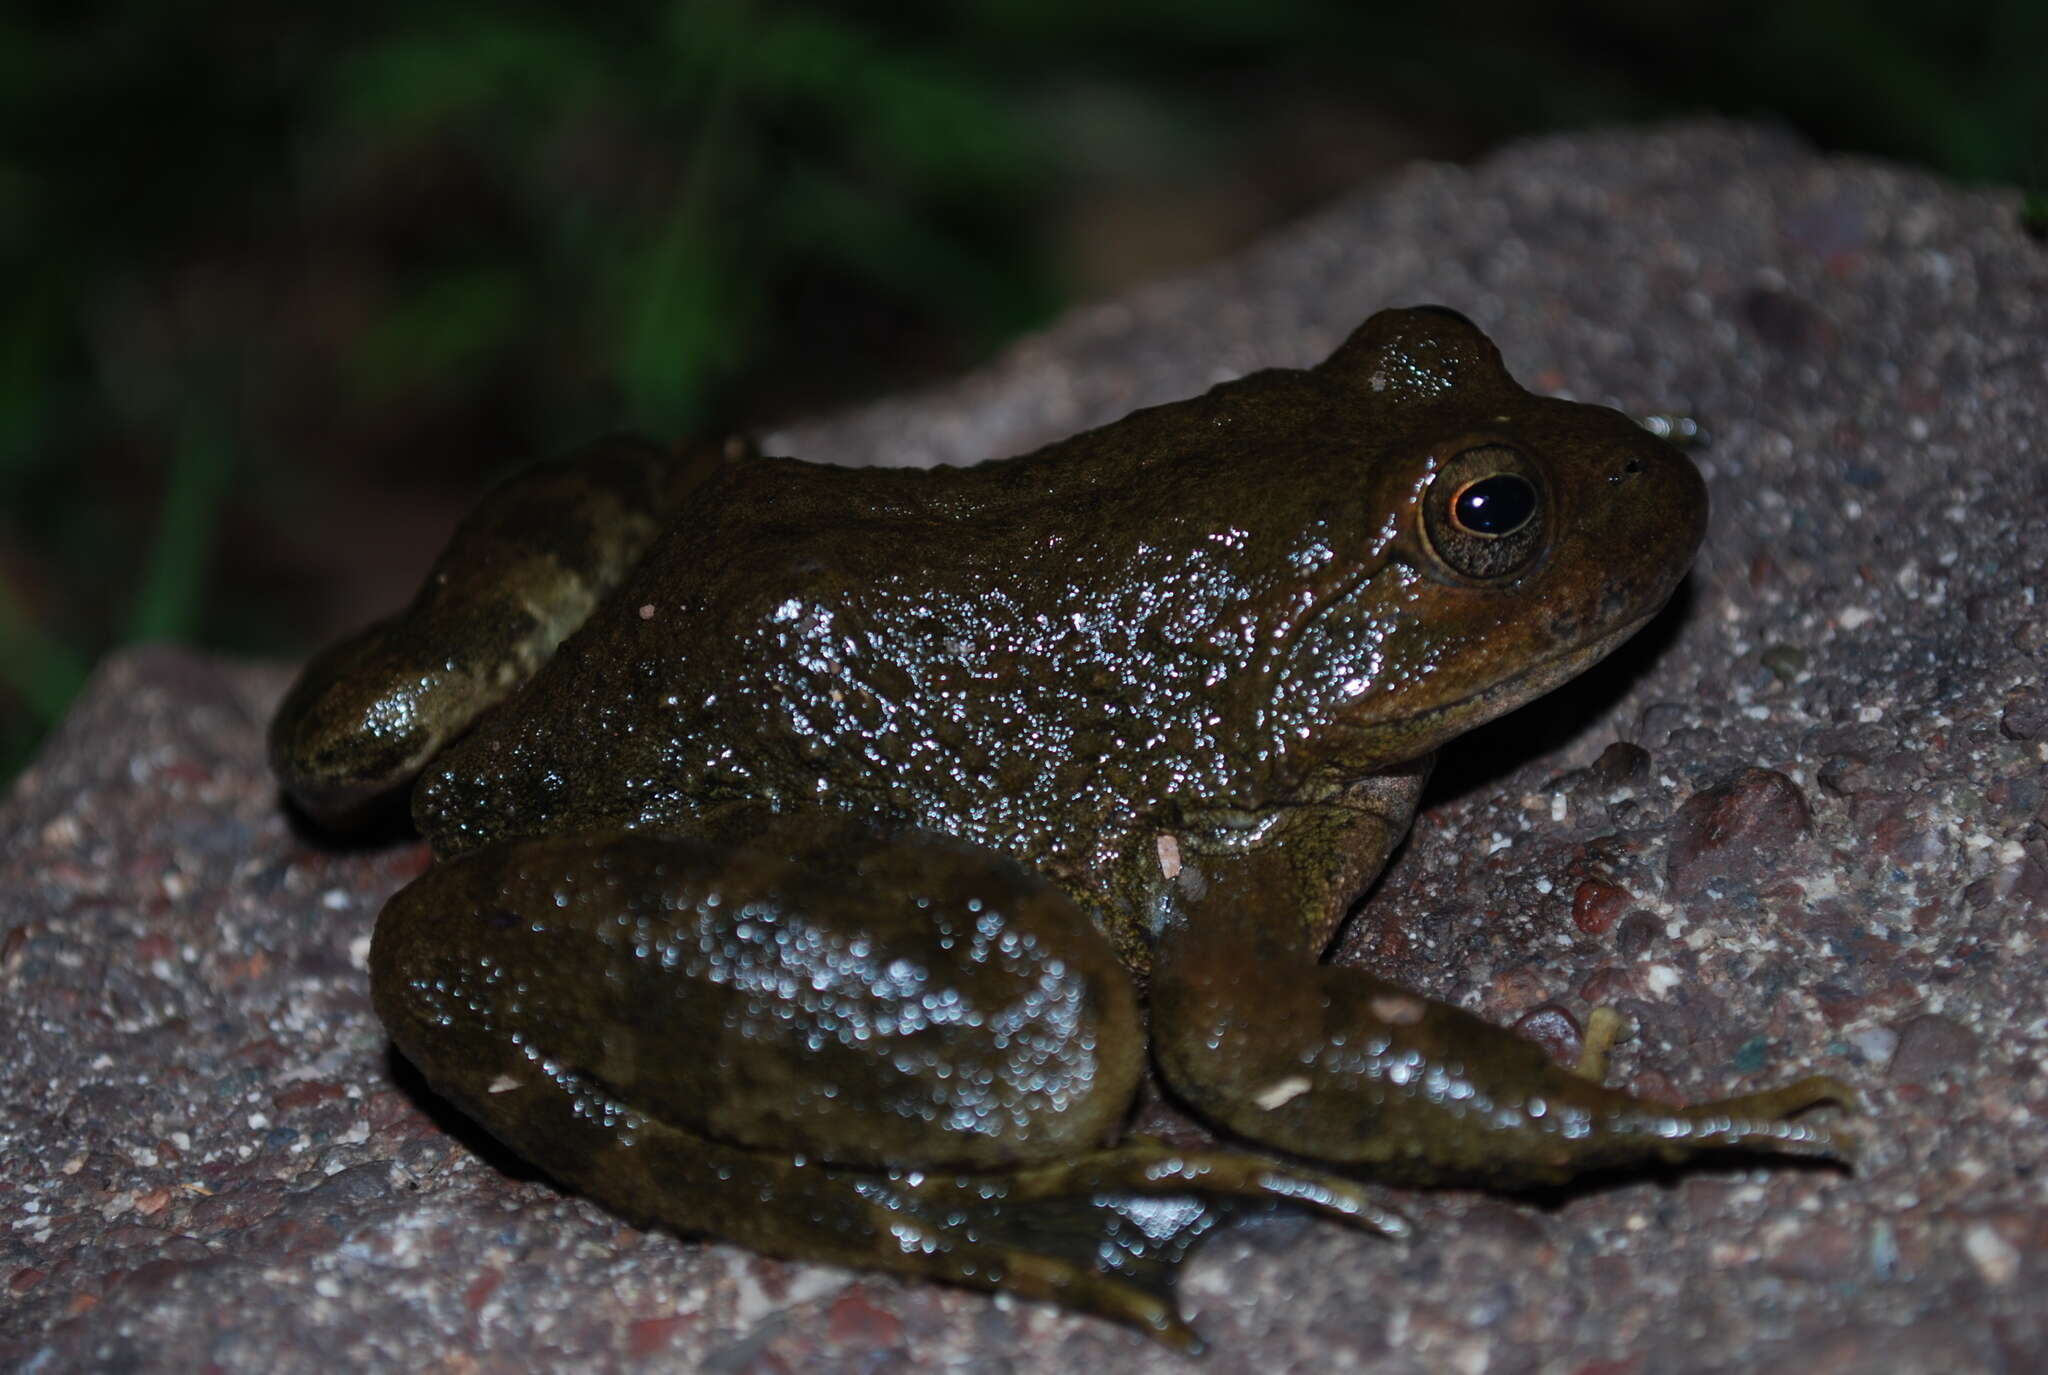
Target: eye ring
1483, 516
1495, 506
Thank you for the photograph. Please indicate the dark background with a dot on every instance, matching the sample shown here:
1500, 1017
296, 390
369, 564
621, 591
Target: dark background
286, 285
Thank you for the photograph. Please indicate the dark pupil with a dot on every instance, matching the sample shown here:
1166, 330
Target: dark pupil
1497, 505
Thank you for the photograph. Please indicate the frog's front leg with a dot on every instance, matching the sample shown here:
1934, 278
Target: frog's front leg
892, 1052
1337, 1065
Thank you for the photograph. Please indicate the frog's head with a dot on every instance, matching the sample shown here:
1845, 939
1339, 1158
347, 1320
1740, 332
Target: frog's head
1514, 540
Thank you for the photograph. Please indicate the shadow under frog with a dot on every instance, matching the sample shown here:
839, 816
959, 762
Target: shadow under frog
826, 852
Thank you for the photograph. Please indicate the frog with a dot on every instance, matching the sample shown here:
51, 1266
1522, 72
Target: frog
827, 859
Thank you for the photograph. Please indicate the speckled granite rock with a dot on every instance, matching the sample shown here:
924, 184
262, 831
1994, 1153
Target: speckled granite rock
1827, 850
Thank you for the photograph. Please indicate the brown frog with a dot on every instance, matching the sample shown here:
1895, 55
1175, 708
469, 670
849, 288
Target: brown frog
826, 852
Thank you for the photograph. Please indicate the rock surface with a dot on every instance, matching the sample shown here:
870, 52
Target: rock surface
209, 1160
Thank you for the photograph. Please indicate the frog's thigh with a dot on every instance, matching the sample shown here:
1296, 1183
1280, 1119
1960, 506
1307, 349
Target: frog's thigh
520, 573
824, 993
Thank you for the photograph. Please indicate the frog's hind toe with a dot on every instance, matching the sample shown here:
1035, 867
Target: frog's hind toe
1774, 1120
1107, 1232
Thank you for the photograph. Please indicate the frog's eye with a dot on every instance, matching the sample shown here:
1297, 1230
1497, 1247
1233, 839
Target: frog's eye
1483, 513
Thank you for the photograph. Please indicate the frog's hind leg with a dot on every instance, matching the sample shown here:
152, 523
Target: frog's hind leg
520, 573
889, 1051
1104, 1233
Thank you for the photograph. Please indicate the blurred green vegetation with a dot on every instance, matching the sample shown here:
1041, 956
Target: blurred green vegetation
261, 258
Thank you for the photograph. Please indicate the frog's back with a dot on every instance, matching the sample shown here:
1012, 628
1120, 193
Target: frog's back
655, 709
960, 648
954, 648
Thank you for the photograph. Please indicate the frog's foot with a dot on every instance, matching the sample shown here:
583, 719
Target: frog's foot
1104, 1232
1752, 1120
1108, 1231
1766, 1120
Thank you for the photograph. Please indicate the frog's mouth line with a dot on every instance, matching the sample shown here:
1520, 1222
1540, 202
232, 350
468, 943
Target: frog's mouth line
1455, 718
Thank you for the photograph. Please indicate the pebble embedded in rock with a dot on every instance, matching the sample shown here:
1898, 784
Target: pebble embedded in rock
1736, 830
1784, 662
1897, 827
1607, 986
1787, 323
1817, 1251
1638, 931
2026, 716
1862, 741
1930, 1045
1659, 719
1598, 904
1621, 763
2032, 882
1552, 1026
1844, 776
